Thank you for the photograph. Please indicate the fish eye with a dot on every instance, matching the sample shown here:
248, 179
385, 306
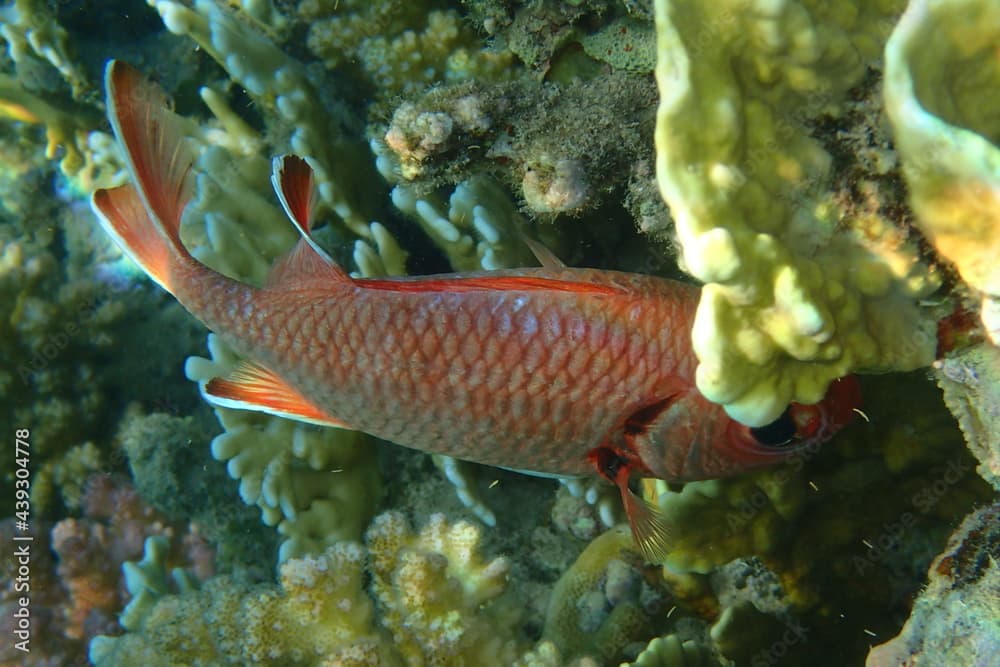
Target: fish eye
778, 433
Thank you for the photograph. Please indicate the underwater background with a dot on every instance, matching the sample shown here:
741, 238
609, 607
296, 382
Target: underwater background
831, 174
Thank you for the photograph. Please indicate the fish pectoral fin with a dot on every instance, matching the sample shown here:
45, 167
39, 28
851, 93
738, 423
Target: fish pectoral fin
250, 386
650, 529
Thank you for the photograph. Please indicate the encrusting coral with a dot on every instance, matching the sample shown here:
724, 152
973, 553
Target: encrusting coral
956, 619
602, 602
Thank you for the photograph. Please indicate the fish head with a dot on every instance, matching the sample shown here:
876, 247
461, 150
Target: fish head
692, 438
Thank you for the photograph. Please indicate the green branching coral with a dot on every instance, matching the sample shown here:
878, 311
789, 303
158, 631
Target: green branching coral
437, 600
794, 294
402, 47
438, 597
319, 614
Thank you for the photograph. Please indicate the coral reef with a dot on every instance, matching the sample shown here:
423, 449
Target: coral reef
956, 619
970, 380
796, 293
76, 580
437, 600
877, 505
441, 132
939, 63
602, 603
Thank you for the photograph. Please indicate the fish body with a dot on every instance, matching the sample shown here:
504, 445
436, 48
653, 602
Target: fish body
554, 369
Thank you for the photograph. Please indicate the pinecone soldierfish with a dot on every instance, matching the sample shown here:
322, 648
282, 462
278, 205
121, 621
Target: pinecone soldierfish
555, 370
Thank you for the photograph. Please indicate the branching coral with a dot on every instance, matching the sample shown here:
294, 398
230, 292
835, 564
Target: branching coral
401, 46
794, 295
435, 594
941, 81
319, 615
318, 486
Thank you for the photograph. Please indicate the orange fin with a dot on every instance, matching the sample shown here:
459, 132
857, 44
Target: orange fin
294, 183
124, 217
302, 266
485, 282
155, 151
250, 386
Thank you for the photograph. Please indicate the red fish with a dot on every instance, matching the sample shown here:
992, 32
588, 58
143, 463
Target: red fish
555, 370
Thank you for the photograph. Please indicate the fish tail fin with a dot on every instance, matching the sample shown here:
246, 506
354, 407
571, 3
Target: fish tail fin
124, 217
145, 217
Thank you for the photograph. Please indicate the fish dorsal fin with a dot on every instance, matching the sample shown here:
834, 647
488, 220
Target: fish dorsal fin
489, 281
250, 386
294, 183
303, 266
542, 253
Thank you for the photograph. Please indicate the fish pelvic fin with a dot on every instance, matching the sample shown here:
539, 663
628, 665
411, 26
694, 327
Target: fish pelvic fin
650, 530
250, 386
144, 218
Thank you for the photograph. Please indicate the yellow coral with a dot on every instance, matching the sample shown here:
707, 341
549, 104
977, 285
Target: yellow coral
437, 596
794, 296
942, 77
594, 609
319, 615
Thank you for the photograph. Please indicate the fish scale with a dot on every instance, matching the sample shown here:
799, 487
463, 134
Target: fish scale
555, 370
537, 391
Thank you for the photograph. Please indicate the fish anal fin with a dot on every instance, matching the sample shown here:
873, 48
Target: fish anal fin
123, 216
250, 386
